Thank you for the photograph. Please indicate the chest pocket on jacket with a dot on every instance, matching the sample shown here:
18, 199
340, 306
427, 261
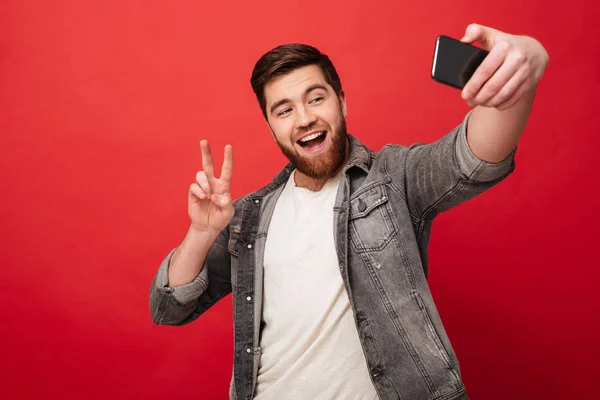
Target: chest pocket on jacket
370, 222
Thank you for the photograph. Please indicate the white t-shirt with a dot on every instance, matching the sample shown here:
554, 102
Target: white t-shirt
310, 345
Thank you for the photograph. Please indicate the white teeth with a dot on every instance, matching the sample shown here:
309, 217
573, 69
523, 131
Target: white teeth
311, 137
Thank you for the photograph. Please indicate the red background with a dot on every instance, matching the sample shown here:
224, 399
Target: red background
102, 106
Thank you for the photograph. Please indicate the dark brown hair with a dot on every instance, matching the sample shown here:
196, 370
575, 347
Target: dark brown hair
286, 58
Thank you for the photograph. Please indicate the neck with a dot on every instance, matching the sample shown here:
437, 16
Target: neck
314, 184
306, 182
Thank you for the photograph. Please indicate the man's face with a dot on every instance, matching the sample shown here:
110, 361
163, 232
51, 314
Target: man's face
308, 121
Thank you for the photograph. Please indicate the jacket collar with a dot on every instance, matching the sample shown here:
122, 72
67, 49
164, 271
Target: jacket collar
360, 155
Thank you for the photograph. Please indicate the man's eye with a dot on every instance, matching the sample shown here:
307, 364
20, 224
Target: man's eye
284, 112
316, 100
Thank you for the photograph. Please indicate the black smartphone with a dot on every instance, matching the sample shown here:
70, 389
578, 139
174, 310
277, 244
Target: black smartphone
454, 62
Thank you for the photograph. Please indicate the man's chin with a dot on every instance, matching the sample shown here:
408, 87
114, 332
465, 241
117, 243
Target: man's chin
318, 170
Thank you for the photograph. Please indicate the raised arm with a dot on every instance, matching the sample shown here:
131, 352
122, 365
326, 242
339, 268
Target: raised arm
501, 90
210, 210
479, 152
196, 274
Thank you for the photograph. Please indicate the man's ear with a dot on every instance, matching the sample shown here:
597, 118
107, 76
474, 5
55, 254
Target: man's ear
342, 97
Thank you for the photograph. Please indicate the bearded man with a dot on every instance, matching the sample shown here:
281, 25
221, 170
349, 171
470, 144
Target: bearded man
328, 263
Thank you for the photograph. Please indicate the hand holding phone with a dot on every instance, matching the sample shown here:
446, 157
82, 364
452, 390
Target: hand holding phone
504, 71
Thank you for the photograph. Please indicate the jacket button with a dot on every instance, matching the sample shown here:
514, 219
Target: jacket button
361, 206
376, 372
249, 246
248, 298
248, 350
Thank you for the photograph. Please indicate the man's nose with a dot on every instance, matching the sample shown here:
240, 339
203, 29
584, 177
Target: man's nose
305, 118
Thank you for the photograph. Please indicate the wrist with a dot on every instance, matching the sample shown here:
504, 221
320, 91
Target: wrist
197, 235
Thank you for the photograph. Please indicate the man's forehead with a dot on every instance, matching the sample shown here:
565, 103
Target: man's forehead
293, 83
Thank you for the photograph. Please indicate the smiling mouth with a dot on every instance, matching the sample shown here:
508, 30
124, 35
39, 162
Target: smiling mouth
313, 141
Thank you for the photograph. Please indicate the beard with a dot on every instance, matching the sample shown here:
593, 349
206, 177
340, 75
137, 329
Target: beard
324, 165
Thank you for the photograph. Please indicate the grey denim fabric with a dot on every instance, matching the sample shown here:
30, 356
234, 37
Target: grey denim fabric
383, 215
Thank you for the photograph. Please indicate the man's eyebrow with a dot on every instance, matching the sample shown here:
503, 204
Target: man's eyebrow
313, 87
279, 103
309, 89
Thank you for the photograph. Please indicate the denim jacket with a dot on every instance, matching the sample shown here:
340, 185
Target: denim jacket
383, 214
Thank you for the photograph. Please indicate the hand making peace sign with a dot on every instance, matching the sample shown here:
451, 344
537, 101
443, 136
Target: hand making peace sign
209, 200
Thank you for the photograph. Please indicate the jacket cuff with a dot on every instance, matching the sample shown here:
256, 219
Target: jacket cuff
475, 168
185, 293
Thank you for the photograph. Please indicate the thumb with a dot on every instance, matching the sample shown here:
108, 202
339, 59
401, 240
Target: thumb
221, 200
479, 33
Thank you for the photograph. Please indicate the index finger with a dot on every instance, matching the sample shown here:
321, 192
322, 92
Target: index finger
227, 168
207, 161
486, 69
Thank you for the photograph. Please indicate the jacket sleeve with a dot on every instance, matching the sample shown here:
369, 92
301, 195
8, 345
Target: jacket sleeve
183, 304
445, 173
